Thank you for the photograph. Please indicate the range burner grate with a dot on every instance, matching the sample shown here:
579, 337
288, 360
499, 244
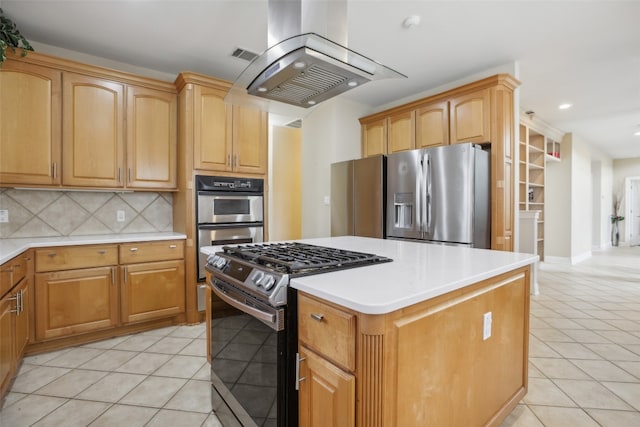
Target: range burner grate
299, 259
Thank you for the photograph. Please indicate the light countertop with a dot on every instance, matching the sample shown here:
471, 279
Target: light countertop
12, 247
419, 272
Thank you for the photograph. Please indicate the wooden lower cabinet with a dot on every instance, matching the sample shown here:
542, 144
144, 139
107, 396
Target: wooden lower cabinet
152, 290
75, 301
327, 393
6, 341
15, 285
426, 364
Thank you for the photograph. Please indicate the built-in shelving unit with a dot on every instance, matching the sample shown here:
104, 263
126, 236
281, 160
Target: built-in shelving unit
533, 153
538, 146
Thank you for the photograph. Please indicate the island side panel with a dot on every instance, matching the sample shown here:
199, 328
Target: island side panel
439, 371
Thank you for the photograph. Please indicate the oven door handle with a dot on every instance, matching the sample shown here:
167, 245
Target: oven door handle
258, 314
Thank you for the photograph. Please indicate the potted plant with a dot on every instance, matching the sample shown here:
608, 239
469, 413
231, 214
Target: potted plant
10, 37
615, 219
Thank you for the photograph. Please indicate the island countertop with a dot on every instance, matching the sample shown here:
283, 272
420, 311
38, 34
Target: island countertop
419, 271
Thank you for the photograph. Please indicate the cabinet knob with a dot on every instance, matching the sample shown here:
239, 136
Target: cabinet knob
317, 317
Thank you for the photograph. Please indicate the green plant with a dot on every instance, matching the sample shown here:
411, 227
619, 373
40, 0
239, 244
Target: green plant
10, 37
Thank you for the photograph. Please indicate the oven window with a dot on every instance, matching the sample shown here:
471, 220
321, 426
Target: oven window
231, 207
245, 358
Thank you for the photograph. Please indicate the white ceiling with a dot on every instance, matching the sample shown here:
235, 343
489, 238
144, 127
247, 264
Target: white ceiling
583, 52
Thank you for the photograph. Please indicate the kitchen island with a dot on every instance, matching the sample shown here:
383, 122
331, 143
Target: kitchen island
438, 337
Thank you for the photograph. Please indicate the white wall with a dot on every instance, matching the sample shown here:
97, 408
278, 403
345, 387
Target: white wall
101, 62
576, 201
557, 204
331, 133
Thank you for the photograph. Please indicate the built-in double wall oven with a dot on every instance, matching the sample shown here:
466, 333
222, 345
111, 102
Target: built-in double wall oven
229, 211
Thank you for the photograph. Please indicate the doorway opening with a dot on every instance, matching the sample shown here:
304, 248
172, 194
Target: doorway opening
632, 210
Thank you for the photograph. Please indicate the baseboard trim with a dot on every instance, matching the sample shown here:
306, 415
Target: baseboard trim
557, 260
579, 258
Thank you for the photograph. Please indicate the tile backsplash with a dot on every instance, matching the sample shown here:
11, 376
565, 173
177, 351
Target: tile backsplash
43, 213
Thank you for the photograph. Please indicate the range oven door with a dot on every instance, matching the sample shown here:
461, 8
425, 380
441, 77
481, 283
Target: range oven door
252, 364
225, 234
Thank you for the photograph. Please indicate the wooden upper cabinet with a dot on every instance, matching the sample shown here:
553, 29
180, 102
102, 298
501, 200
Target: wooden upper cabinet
151, 138
250, 133
471, 117
374, 138
432, 125
29, 124
92, 133
401, 132
212, 143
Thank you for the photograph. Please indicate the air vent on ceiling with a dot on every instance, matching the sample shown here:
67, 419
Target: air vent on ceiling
295, 124
247, 55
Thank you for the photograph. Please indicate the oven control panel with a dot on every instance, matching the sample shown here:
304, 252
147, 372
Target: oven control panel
269, 286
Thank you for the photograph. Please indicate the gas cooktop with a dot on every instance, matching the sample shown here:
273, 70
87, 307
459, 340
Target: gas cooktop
301, 259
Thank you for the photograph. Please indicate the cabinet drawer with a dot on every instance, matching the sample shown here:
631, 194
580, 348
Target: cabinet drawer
131, 253
74, 257
12, 272
327, 330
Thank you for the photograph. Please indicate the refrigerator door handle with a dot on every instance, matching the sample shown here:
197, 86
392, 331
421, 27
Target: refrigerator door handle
419, 199
428, 195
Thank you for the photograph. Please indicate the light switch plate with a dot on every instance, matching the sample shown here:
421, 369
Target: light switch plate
4, 215
327, 200
486, 326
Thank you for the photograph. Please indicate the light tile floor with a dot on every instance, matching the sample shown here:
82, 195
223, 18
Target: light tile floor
584, 364
584, 348
155, 378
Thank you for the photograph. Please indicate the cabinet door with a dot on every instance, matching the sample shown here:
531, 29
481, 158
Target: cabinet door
402, 132
211, 130
152, 290
432, 125
7, 304
22, 319
75, 301
470, 116
374, 138
151, 138
29, 124
250, 134
92, 132
327, 393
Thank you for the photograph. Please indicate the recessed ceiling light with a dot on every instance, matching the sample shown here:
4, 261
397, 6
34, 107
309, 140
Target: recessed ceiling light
565, 106
262, 89
311, 102
637, 133
352, 83
299, 65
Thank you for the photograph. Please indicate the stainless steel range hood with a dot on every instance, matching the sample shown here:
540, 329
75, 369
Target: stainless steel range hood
303, 68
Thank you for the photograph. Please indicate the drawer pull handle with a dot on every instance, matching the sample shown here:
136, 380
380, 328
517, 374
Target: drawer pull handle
317, 317
133, 249
52, 254
102, 252
172, 246
16, 265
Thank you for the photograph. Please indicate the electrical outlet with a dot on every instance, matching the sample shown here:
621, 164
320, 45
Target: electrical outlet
120, 216
486, 326
4, 215
327, 200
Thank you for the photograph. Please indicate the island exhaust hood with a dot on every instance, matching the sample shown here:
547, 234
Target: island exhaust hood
301, 67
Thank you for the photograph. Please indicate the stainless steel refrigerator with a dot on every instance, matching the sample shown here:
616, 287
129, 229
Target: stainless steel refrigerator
358, 197
440, 195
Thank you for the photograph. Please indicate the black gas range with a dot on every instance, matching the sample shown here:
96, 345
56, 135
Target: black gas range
254, 350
